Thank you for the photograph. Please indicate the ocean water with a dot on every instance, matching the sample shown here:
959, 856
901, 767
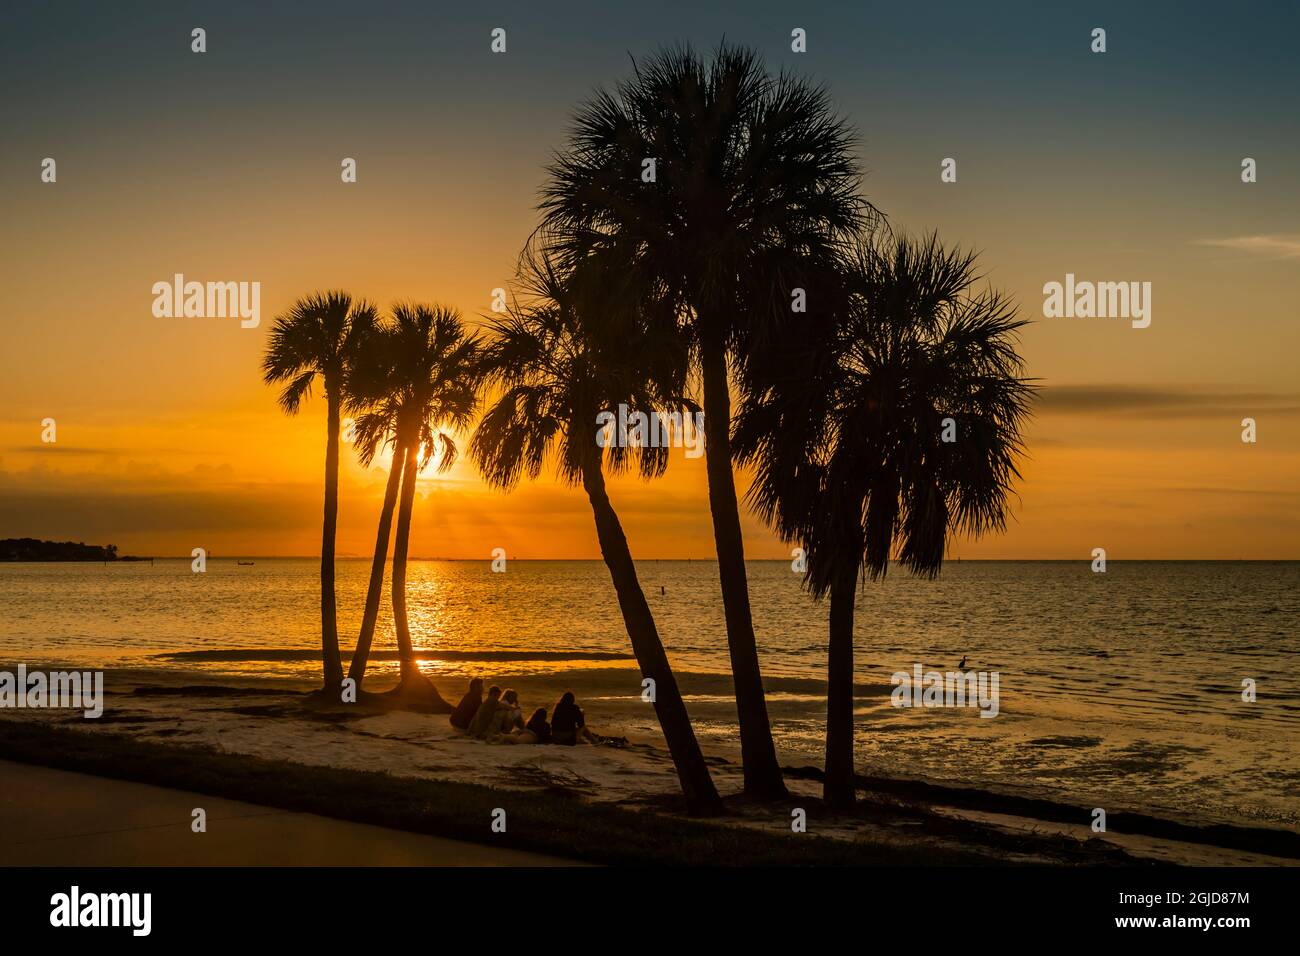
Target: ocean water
1123, 689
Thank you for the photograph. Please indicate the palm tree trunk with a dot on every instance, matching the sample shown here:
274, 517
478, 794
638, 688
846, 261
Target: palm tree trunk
762, 771
405, 652
693, 773
357, 669
838, 789
412, 683
330, 657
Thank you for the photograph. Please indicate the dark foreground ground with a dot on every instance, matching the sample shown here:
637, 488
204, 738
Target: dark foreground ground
59, 818
539, 823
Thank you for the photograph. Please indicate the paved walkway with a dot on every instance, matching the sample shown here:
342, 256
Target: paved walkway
58, 818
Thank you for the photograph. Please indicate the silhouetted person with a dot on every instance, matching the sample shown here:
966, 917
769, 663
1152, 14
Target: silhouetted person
538, 725
536, 731
481, 725
469, 704
568, 723
509, 716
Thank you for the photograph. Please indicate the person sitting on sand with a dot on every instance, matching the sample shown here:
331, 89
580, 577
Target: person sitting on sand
468, 706
509, 716
568, 724
536, 731
481, 725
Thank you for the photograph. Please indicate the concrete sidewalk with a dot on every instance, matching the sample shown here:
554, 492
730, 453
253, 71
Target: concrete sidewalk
57, 818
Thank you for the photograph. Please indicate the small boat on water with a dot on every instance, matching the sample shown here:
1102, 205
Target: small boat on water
244, 564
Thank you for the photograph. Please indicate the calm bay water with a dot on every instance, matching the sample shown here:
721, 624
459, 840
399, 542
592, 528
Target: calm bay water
1121, 688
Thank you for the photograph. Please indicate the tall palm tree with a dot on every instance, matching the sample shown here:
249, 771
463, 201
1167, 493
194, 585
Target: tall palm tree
374, 395
847, 425
576, 349
435, 378
752, 175
313, 340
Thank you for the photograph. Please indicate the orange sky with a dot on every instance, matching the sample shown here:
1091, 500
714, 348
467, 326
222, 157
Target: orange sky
167, 440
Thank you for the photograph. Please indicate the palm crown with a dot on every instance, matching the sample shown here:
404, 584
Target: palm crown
574, 343
753, 173
314, 338
848, 438
414, 379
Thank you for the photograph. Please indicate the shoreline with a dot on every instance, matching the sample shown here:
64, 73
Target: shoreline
195, 717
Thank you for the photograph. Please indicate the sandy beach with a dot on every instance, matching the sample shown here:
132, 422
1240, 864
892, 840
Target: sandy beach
275, 719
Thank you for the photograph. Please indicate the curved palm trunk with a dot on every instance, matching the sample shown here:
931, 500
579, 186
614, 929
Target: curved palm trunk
762, 771
357, 669
333, 662
405, 652
838, 789
412, 682
693, 773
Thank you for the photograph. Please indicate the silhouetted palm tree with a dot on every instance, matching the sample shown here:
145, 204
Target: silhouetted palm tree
374, 394
579, 347
314, 340
434, 384
752, 177
878, 428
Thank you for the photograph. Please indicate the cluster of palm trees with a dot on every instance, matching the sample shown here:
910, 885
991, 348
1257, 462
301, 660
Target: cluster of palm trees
880, 415
411, 379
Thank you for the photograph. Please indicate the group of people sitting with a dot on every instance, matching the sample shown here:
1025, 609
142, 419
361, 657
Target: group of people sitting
499, 718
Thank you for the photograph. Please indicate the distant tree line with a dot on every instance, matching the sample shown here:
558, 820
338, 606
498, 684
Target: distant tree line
30, 549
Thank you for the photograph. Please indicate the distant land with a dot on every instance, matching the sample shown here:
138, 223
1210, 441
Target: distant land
29, 549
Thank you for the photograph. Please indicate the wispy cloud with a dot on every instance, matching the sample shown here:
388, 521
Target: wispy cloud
1266, 492
1189, 401
1280, 246
53, 448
